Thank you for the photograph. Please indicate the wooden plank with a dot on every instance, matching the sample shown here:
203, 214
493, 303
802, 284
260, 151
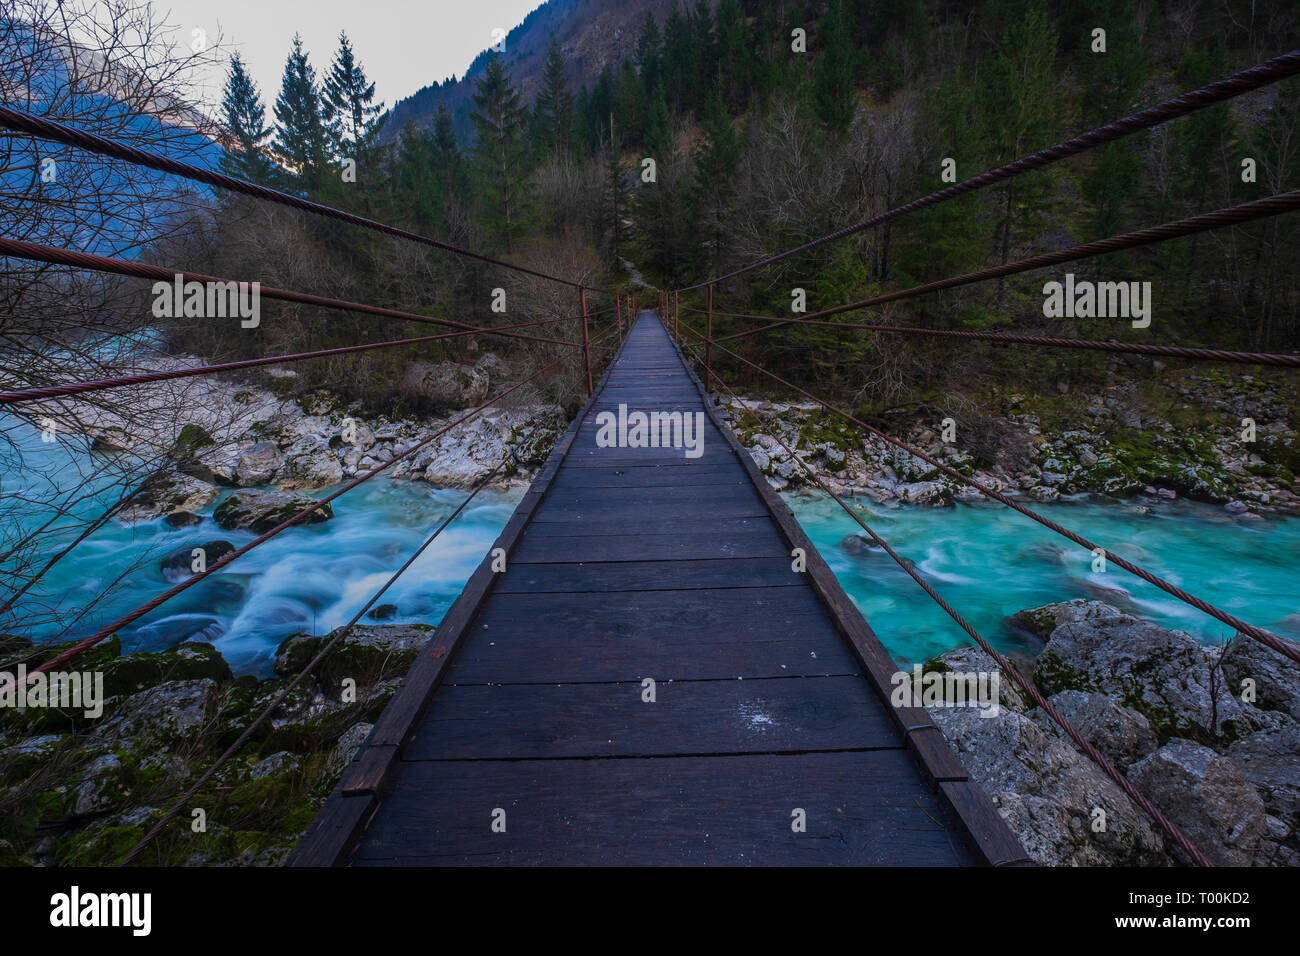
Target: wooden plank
726, 810
652, 476
621, 635
987, 833
330, 839
633, 525
686, 546
606, 510
667, 500
518, 721
649, 576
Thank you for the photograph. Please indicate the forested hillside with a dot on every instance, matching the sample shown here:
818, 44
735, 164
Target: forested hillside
772, 123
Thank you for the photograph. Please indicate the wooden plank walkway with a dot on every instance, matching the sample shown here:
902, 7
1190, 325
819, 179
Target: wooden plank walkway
770, 691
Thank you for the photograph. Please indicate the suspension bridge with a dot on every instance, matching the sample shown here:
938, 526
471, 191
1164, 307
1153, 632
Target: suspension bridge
653, 665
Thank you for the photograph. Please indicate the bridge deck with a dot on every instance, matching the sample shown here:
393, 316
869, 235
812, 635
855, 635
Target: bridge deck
770, 690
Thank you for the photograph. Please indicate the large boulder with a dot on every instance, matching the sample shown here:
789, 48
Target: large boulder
978, 671
1167, 676
179, 564
1049, 793
1040, 622
164, 492
162, 716
1270, 760
192, 441
1276, 679
103, 785
310, 463
262, 510
1123, 736
446, 384
258, 464
346, 749
496, 370
1207, 797
364, 652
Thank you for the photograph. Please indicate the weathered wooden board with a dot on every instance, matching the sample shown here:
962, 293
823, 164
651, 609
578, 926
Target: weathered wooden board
534, 721
624, 635
860, 809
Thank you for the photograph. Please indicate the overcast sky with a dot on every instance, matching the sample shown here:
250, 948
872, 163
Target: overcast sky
402, 44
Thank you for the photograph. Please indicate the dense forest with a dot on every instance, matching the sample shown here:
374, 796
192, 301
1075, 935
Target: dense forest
769, 124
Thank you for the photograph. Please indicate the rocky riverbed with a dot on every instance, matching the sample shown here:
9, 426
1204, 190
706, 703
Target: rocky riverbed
1210, 735
217, 435
1109, 445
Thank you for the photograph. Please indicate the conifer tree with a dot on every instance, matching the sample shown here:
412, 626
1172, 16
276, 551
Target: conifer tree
300, 134
715, 158
555, 105
348, 107
648, 47
499, 156
246, 124
833, 93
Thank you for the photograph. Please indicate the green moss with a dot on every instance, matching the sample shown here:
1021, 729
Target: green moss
188, 661
823, 428
192, 439
1280, 450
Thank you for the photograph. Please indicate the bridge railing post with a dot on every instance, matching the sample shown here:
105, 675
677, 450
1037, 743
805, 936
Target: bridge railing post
618, 316
708, 337
586, 338
676, 318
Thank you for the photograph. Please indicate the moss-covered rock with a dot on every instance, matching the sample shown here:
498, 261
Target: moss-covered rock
188, 661
261, 511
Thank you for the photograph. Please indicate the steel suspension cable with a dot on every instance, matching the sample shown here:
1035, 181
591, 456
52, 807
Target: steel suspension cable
289, 522
1174, 351
139, 270
1231, 215
1245, 81
91, 142
1025, 685
77, 388
339, 634
1250, 630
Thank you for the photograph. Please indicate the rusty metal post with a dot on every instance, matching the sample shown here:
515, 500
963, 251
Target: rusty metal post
708, 339
618, 316
676, 318
586, 340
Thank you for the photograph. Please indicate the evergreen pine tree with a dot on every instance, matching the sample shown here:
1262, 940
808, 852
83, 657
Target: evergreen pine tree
1020, 117
648, 47
348, 106
735, 56
833, 92
246, 125
499, 156
555, 105
715, 158
300, 135
659, 130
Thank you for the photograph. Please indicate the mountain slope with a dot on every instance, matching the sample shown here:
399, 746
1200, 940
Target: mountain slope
592, 34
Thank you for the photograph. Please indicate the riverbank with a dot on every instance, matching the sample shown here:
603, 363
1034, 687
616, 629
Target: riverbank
206, 435
1181, 437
